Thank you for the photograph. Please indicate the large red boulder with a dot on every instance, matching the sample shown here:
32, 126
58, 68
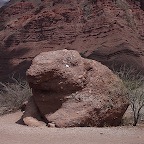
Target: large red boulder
71, 91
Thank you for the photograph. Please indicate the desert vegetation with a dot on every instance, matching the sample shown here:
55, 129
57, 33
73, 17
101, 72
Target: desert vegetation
12, 95
134, 82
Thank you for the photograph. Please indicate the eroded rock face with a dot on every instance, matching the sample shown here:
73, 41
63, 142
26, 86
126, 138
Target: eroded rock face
71, 91
102, 30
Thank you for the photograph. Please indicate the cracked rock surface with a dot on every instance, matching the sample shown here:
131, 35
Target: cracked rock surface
71, 91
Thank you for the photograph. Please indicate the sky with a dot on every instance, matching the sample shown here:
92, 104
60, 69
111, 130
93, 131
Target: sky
2, 2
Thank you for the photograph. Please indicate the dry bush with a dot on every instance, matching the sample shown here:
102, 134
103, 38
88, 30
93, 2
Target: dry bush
12, 95
134, 82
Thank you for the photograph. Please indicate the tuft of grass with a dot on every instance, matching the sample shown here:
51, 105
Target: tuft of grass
13, 95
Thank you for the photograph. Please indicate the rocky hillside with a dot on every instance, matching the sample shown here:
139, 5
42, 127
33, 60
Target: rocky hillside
110, 31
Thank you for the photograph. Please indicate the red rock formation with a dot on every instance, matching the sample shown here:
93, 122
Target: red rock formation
71, 91
107, 31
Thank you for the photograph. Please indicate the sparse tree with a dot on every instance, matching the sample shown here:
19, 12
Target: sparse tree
134, 82
136, 98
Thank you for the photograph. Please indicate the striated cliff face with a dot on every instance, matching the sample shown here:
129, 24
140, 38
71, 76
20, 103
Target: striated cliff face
108, 31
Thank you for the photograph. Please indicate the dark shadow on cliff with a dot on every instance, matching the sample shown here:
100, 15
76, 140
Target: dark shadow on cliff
12, 63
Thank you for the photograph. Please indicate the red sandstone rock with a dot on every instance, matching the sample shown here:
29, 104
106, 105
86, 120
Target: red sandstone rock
102, 30
71, 91
31, 116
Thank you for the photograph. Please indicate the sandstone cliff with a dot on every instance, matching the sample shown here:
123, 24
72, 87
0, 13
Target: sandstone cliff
108, 31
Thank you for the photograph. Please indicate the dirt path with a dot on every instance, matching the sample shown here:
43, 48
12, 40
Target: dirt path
13, 133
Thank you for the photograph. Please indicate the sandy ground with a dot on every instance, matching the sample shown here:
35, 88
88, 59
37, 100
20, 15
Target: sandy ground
13, 133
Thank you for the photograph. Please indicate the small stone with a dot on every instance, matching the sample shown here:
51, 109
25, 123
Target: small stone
51, 125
